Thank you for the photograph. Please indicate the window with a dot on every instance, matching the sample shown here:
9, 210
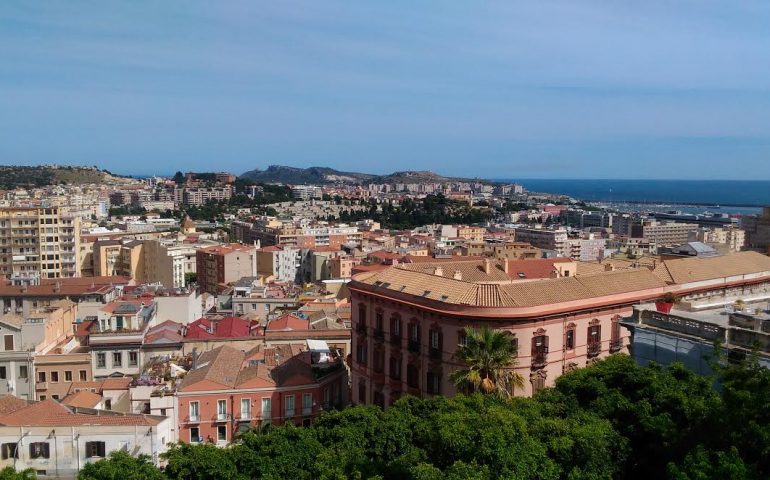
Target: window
117, 359
569, 339
395, 368
55, 377
307, 403
94, 449
195, 435
101, 360
8, 342
55, 397
362, 316
23, 371
221, 433
538, 381
361, 392
267, 408
3, 375
361, 352
462, 338
378, 321
245, 409
68, 375
41, 376
108, 404
194, 411
9, 451
539, 350
83, 375
395, 326
221, 409
379, 361
434, 383
42, 397
616, 343
414, 332
133, 359
39, 450
434, 337
412, 373
594, 340
289, 406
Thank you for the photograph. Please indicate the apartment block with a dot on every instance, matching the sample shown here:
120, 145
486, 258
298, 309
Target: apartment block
39, 242
224, 264
545, 239
663, 233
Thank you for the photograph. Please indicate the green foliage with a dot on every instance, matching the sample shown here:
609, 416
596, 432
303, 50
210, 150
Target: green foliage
612, 420
488, 356
190, 277
121, 466
8, 473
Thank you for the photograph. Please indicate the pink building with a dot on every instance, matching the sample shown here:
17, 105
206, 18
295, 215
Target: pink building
229, 391
409, 319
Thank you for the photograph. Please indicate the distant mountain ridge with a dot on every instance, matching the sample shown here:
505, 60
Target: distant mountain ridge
325, 175
20, 176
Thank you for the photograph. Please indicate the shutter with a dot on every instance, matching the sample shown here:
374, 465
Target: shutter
46, 450
534, 346
100, 446
545, 342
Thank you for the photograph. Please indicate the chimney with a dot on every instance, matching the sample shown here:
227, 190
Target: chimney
505, 265
487, 266
439, 272
458, 275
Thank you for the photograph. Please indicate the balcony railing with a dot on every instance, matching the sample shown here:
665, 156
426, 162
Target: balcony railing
221, 417
616, 345
266, 415
245, 416
414, 346
41, 385
289, 413
594, 349
539, 359
194, 418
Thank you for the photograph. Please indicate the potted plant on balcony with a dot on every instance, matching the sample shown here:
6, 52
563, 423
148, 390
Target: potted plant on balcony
665, 302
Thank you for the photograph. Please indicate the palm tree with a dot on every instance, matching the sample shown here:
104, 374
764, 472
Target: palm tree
489, 357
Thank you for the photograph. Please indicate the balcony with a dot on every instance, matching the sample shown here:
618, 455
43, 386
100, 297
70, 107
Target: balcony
245, 417
395, 340
289, 413
539, 359
222, 417
307, 411
616, 345
414, 346
594, 349
266, 415
361, 329
41, 386
194, 419
379, 335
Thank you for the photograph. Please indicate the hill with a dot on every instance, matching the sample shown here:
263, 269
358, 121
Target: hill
311, 175
324, 175
13, 176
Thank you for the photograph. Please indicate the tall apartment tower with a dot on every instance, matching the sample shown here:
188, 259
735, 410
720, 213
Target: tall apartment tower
39, 242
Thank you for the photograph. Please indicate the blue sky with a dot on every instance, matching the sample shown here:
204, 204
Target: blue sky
548, 89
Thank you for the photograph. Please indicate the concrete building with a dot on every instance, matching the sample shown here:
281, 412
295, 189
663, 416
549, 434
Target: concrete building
27, 335
281, 263
757, 229
407, 320
306, 192
39, 242
545, 239
731, 239
198, 196
56, 441
231, 391
220, 265
663, 234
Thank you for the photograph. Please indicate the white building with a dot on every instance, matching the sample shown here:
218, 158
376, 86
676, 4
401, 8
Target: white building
57, 441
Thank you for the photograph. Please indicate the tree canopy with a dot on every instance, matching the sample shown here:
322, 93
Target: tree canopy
612, 420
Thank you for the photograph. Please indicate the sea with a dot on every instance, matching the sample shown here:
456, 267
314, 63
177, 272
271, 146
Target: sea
690, 196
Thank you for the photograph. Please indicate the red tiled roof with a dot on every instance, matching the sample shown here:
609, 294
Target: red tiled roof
288, 322
232, 327
82, 399
535, 268
10, 403
120, 383
50, 413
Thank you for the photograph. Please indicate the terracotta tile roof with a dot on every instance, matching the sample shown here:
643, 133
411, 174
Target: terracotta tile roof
120, 383
535, 268
85, 386
232, 327
471, 271
10, 403
695, 269
288, 322
50, 413
220, 366
82, 399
